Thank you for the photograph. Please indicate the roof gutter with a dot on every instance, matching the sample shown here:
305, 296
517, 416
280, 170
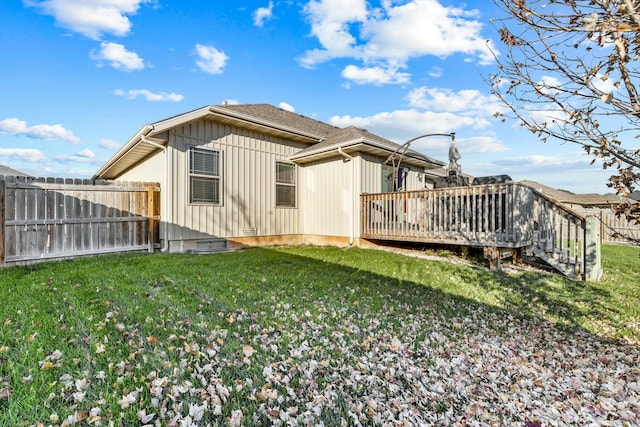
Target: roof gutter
137, 138
348, 159
365, 141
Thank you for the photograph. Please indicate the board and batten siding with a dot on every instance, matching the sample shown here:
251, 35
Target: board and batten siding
326, 197
330, 190
248, 205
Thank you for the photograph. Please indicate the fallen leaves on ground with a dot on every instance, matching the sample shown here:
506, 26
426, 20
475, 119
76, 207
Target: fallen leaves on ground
333, 362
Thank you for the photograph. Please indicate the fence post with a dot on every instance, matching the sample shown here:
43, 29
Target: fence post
151, 216
2, 220
592, 259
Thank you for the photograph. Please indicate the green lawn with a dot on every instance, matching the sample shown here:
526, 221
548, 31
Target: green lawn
307, 335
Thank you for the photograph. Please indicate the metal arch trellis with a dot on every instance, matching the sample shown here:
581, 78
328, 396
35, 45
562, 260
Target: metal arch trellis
396, 157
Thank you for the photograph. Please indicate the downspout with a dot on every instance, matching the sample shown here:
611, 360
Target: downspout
165, 204
349, 158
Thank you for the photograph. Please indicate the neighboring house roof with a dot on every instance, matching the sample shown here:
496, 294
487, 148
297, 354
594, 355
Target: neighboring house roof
585, 200
7, 171
323, 139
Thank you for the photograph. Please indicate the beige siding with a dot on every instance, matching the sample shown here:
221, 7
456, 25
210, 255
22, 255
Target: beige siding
150, 170
248, 184
326, 197
330, 190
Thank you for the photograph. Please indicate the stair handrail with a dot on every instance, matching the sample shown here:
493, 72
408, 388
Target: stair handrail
553, 200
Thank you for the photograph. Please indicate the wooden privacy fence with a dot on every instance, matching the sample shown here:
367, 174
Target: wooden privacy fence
492, 216
53, 218
615, 229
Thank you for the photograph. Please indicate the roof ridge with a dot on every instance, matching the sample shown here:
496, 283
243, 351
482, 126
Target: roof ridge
249, 109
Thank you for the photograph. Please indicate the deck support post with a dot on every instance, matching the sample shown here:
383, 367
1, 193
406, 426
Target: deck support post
492, 254
517, 256
495, 255
592, 259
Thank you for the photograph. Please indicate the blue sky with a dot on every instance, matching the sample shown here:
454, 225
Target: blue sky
79, 78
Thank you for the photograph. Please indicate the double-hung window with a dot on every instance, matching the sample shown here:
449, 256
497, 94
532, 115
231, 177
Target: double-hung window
205, 167
285, 185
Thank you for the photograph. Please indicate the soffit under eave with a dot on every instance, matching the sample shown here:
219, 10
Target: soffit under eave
135, 155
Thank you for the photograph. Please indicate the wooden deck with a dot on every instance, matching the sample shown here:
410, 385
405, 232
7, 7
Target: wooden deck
495, 217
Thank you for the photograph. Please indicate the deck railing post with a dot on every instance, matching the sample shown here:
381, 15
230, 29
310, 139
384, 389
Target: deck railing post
592, 260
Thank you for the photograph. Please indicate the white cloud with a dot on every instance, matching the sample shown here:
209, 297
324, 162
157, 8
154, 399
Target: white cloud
374, 75
118, 57
109, 144
230, 102
26, 154
480, 144
86, 153
537, 163
387, 37
604, 84
80, 157
287, 107
401, 125
149, 96
425, 27
330, 21
435, 72
16, 126
469, 101
548, 118
261, 14
210, 60
90, 18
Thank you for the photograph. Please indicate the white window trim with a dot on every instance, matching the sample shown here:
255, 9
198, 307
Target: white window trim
219, 176
294, 185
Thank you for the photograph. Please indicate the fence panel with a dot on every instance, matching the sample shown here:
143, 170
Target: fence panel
617, 229
53, 218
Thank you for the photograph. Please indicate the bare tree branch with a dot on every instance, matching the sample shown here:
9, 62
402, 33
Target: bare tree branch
575, 63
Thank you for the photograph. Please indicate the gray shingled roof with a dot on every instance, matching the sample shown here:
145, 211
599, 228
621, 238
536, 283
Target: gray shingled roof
340, 136
7, 171
282, 117
590, 199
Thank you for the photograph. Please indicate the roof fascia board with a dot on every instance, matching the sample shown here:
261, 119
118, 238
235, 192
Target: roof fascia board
425, 159
180, 119
315, 151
